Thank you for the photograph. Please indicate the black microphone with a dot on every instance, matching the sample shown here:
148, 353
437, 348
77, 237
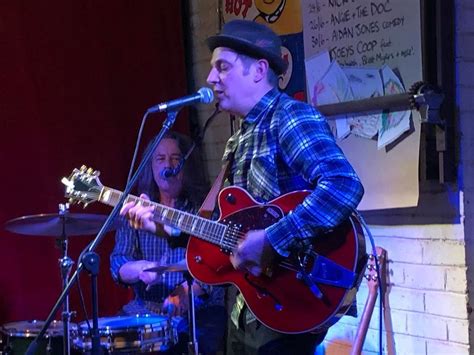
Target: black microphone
203, 95
166, 173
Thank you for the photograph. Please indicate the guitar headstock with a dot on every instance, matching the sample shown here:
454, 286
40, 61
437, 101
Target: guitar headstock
83, 186
371, 275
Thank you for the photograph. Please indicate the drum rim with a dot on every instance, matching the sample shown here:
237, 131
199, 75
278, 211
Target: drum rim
83, 326
31, 328
161, 326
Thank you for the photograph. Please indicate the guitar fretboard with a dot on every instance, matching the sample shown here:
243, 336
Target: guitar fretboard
202, 228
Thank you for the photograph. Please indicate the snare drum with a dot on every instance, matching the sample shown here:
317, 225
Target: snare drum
129, 334
17, 336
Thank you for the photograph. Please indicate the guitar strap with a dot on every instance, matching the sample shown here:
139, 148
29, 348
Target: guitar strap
209, 203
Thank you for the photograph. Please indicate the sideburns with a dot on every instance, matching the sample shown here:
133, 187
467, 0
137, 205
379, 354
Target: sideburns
246, 63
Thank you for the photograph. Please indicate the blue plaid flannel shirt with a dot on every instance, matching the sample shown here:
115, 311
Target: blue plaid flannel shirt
285, 145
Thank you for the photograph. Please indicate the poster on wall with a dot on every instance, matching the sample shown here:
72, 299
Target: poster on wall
358, 49
283, 17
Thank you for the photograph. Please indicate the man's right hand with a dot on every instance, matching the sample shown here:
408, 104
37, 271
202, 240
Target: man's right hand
139, 216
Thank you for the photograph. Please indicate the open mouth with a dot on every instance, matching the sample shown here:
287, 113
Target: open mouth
219, 93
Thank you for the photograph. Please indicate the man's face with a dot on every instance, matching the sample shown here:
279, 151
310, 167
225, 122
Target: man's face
231, 82
167, 156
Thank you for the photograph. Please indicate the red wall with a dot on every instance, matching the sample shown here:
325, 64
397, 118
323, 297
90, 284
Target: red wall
76, 78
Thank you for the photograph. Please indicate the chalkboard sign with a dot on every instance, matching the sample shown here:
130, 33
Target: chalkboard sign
366, 33
382, 36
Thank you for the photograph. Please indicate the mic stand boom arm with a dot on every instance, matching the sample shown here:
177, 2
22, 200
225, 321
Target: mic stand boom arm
426, 98
90, 259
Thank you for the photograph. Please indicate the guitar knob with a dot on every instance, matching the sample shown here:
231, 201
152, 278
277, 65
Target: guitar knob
230, 198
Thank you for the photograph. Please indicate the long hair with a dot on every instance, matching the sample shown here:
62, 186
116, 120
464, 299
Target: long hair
193, 182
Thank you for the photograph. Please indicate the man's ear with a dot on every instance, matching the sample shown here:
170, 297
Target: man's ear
261, 69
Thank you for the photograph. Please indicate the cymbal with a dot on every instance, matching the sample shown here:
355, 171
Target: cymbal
57, 225
181, 266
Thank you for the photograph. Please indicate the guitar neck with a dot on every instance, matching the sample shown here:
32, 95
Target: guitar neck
364, 324
199, 227
374, 281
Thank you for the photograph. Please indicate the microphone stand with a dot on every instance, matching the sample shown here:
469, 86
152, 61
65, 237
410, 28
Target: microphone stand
90, 260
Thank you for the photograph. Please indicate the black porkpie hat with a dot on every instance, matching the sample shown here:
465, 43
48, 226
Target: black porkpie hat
252, 39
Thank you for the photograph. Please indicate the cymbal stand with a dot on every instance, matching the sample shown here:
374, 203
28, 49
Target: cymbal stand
65, 265
192, 342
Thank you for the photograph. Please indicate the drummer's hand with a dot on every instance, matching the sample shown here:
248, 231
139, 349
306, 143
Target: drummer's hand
148, 277
177, 303
139, 216
134, 271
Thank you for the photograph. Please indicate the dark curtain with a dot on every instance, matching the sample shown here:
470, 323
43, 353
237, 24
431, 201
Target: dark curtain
75, 79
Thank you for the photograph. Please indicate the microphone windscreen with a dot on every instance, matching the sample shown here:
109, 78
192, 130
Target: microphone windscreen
207, 95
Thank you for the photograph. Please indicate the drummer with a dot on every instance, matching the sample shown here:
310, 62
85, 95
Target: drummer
136, 251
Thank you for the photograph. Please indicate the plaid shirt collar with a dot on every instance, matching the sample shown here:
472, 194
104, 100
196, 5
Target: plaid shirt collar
261, 108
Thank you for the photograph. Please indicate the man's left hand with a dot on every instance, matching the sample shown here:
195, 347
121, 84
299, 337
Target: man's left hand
254, 253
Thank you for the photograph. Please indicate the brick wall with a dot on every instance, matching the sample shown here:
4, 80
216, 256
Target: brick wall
465, 100
427, 298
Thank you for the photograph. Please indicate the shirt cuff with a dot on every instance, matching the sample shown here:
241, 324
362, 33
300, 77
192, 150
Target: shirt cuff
281, 236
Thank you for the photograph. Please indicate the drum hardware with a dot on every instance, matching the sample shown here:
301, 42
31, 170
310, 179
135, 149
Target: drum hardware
57, 224
129, 334
192, 342
61, 225
65, 265
16, 337
182, 267
160, 269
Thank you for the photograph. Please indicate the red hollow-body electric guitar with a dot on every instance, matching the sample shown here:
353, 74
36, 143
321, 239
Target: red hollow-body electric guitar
308, 291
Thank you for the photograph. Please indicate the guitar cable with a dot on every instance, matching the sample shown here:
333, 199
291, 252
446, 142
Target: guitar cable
377, 269
197, 141
137, 144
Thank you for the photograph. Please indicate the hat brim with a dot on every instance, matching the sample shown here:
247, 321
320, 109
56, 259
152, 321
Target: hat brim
242, 46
